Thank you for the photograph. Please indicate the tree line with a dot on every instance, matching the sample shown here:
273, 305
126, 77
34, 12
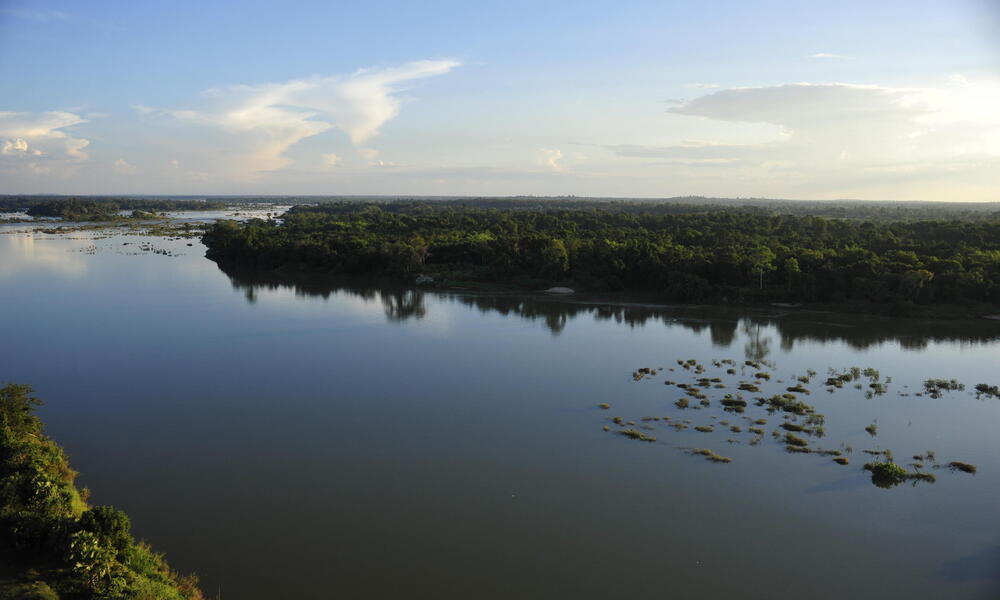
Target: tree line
731, 255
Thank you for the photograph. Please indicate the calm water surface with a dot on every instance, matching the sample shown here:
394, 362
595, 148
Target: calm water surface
293, 439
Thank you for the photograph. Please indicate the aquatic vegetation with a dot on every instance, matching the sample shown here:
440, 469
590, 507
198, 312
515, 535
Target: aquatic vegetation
682, 403
841, 460
760, 422
704, 428
935, 387
887, 474
731, 401
763, 375
748, 387
776, 402
798, 388
604, 406
712, 456
618, 420
632, 434
756, 430
990, 391
789, 426
872, 429
793, 440
962, 466
736, 429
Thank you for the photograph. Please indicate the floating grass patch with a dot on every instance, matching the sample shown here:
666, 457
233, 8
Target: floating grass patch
990, 391
888, 474
964, 467
781, 403
712, 456
760, 422
789, 426
682, 403
748, 387
797, 449
798, 388
793, 440
604, 406
736, 429
935, 387
841, 460
632, 434
704, 428
872, 429
756, 430
618, 420
730, 401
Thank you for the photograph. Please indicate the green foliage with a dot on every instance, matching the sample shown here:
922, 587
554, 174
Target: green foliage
694, 254
78, 551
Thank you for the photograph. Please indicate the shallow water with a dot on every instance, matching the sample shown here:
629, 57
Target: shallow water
290, 438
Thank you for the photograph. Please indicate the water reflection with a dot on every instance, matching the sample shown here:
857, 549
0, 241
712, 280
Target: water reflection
758, 326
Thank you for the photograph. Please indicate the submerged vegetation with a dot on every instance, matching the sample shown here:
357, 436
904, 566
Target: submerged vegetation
52, 544
800, 427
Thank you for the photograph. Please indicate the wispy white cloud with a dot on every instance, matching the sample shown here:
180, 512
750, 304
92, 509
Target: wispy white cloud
123, 167
56, 16
256, 124
700, 86
36, 143
551, 158
330, 160
822, 55
844, 132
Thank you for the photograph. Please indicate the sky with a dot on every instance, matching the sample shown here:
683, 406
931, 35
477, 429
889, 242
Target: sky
887, 100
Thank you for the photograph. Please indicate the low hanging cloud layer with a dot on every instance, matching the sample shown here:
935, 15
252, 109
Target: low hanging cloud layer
254, 125
36, 143
851, 132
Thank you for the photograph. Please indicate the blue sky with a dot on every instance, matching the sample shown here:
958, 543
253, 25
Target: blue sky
880, 100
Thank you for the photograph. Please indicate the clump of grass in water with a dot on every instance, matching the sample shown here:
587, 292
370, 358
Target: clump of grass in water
793, 440
841, 460
682, 403
704, 428
632, 434
935, 387
964, 467
888, 474
990, 391
712, 456
604, 406
872, 429
789, 426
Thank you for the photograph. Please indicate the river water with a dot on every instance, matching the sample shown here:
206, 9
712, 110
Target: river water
301, 438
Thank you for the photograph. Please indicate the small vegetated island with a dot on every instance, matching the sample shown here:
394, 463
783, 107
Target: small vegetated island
894, 261
53, 545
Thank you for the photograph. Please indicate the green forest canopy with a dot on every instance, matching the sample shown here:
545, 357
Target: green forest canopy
684, 252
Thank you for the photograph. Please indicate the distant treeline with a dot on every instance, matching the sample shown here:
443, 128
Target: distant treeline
714, 255
98, 208
837, 209
52, 544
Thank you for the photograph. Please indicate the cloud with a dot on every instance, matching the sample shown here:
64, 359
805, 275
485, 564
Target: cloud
330, 160
259, 123
839, 133
551, 158
36, 143
822, 55
700, 86
123, 167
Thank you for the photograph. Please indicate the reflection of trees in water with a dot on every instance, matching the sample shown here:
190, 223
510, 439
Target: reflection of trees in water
757, 346
401, 305
758, 330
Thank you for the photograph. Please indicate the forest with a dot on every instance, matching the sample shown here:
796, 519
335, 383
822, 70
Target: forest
52, 543
895, 257
95, 208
